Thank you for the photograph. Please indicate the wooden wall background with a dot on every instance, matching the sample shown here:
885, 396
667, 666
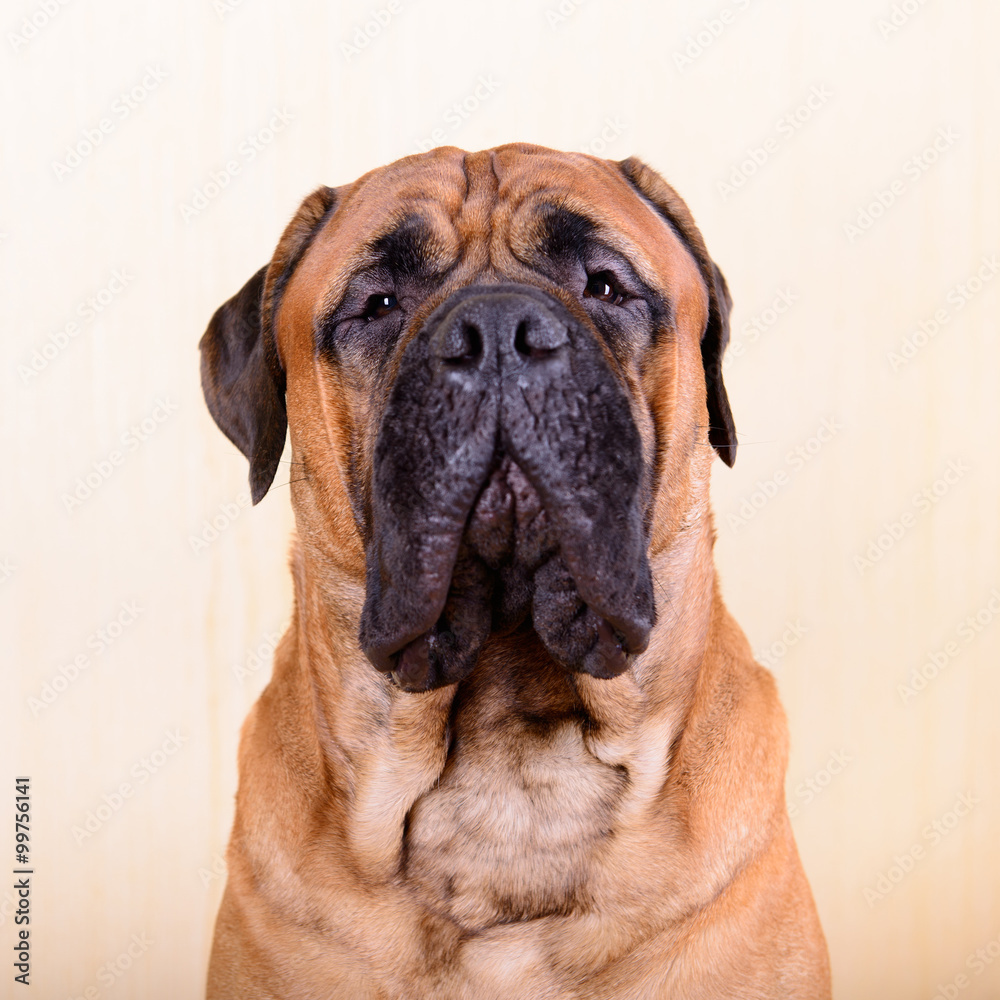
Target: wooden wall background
843, 163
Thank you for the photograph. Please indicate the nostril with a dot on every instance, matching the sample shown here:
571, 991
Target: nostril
527, 344
469, 346
521, 339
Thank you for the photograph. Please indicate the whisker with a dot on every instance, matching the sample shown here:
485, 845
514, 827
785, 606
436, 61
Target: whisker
666, 596
741, 441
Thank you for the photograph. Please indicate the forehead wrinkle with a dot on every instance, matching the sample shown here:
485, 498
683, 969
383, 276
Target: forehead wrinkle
430, 185
640, 235
478, 221
619, 234
598, 190
345, 259
423, 232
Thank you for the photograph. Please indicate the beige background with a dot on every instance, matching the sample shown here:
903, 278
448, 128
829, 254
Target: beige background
168, 642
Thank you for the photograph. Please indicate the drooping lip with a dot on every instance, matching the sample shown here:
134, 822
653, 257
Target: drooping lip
406, 595
588, 478
508, 525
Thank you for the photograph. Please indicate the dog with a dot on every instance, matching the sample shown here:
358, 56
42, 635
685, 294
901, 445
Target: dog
513, 745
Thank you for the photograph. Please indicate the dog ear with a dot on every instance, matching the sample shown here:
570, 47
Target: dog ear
240, 391
722, 427
715, 336
241, 372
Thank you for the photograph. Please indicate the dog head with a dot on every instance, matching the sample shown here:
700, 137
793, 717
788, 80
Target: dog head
501, 372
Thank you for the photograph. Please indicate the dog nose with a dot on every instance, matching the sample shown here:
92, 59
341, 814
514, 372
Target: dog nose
505, 328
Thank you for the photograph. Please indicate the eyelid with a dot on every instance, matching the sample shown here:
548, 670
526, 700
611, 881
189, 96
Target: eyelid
360, 288
597, 257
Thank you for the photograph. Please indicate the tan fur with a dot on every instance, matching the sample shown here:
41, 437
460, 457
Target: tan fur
622, 838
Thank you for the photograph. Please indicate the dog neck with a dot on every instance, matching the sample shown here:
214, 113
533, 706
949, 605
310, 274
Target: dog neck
383, 750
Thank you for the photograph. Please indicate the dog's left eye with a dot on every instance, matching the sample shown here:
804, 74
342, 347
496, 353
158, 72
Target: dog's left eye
603, 286
379, 305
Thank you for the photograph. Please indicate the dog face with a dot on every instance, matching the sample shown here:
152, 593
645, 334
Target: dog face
483, 360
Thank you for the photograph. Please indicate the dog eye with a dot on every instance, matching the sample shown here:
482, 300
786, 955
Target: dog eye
603, 286
379, 305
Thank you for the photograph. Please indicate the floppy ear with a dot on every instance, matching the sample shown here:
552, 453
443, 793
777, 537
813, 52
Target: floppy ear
240, 392
715, 336
241, 372
722, 427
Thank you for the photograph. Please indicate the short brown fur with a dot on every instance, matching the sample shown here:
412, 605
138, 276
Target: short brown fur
528, 833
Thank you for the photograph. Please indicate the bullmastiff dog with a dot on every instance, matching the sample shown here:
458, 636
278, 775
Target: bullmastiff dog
513, 746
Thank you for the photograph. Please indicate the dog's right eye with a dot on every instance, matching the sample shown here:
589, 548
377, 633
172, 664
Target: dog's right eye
604, 287
379, 305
